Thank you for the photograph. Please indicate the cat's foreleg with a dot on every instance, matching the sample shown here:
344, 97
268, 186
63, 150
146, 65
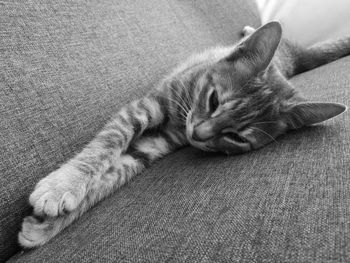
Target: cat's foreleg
142, 152
64, 190
37, 231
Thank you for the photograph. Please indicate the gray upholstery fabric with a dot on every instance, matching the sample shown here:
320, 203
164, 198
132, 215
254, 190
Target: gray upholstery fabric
288, 202
66, 66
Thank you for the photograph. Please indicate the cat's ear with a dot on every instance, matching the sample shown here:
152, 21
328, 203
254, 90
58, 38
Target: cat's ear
255, 53
308, 113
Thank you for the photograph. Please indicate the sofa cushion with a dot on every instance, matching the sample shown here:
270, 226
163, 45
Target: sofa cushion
287, 202
67, 66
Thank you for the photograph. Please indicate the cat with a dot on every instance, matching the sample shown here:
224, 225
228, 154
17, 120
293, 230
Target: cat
228, 99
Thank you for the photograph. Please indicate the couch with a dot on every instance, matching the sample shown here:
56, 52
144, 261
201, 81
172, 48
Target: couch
67, 66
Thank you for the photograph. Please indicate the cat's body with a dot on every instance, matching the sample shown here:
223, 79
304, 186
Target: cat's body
228, 99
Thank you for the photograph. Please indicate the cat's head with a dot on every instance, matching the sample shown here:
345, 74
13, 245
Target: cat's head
242, 102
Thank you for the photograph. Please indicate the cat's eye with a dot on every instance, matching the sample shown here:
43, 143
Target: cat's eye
213, 101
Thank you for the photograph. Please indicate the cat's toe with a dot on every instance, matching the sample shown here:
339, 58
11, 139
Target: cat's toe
54, 196
34, 232
52, 200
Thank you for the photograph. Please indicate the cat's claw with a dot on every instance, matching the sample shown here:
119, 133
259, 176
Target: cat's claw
57, 194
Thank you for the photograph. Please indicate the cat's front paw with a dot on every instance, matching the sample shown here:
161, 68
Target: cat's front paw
58, 193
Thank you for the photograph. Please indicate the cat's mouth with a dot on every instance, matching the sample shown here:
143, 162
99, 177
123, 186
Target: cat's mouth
233, 142
228, 140
234, 136
230, 135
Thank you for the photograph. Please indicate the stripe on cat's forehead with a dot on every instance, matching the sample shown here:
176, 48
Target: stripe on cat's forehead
205, 83
226, 96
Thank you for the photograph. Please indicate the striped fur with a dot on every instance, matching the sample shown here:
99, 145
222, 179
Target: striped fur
228, 99
116, 154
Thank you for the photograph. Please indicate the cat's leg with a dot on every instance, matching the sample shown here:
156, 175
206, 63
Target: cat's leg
63, 190
37, 231
307, 58
141, 153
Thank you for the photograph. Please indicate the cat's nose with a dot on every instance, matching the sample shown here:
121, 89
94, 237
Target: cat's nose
203, 131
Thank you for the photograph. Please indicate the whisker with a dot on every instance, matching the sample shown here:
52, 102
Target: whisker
263, 122
185, 98
183, 105
188, 95
231, 81
177, 103
264, 132
178, 94
180, 115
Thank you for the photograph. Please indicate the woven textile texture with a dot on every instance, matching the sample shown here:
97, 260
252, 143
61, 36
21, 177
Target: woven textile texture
288, 202
66, 66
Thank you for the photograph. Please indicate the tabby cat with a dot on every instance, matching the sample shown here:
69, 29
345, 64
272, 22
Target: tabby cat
228, 99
